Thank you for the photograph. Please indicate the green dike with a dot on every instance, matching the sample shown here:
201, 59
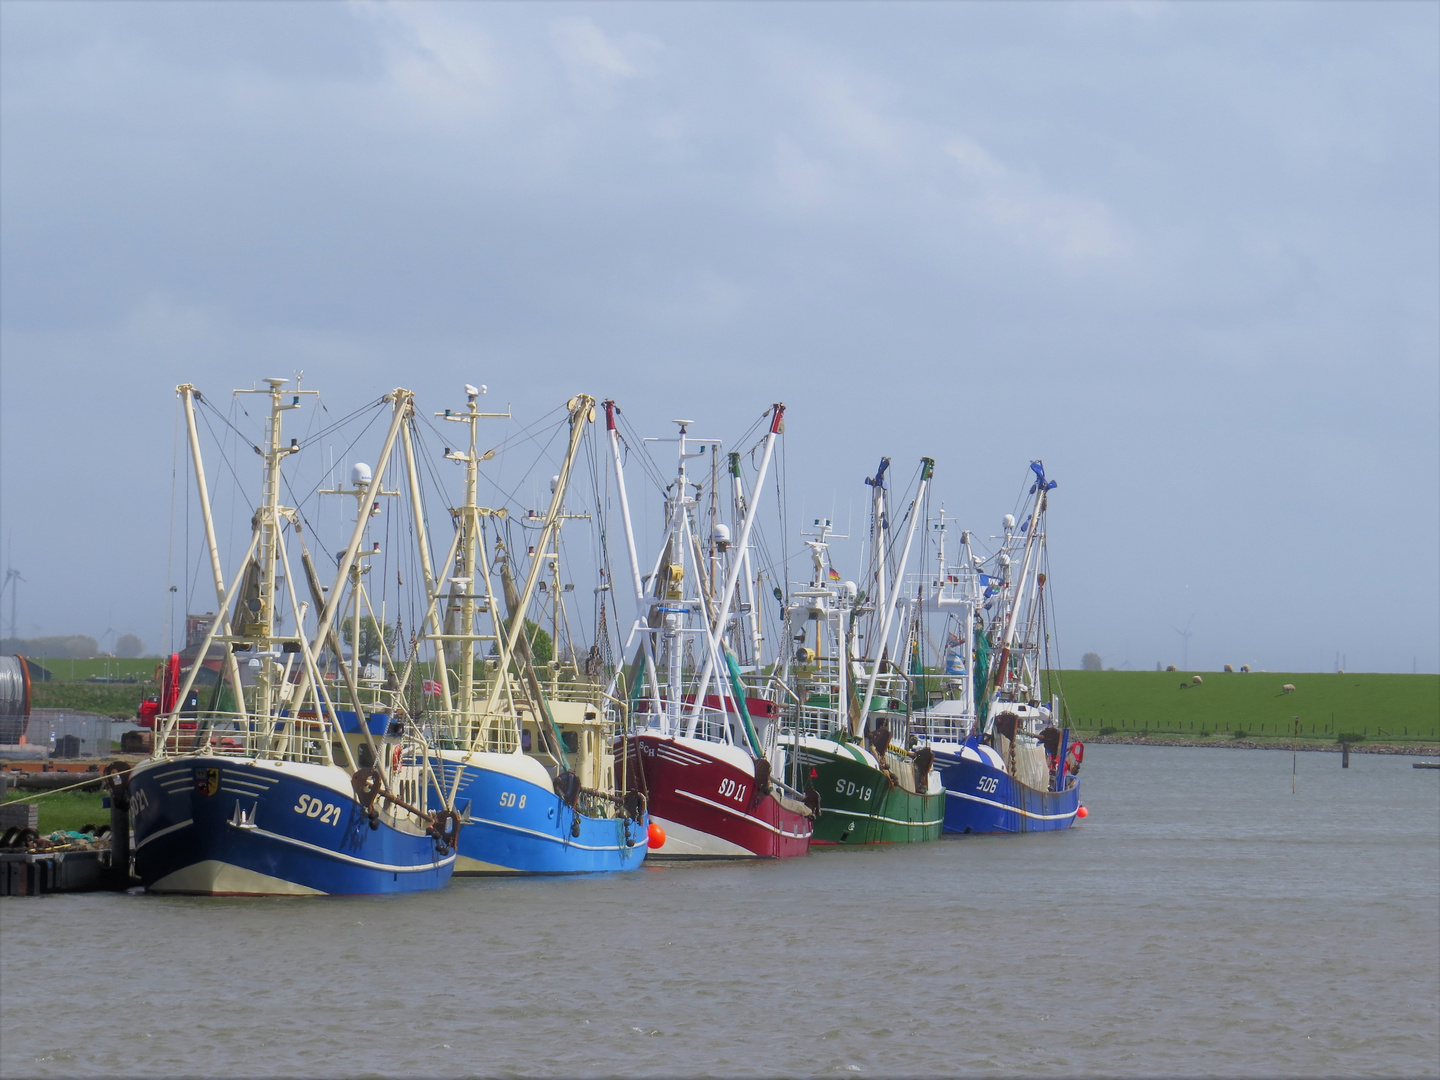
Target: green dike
858, 805
1380, 707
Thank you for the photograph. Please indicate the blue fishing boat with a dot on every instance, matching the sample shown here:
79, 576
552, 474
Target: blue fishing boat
1005, 764
265, 778
524, 759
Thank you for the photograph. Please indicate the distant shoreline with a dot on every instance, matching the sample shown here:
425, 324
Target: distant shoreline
1404, 749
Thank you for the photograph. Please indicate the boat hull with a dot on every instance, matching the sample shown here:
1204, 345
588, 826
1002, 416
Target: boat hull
857, 803
707, 805
222, 826
980, 798
513, 825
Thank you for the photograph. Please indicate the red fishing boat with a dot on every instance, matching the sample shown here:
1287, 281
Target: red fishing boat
700, 746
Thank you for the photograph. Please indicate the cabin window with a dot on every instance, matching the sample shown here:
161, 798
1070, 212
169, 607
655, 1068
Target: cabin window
571, 740
525, 740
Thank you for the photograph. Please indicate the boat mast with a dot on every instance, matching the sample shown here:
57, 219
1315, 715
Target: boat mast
1012, 616
732, 576
262, 626
188, 396
581, 409
737, 486
879, 529
401, 405
432, 586
642, 602
927, 466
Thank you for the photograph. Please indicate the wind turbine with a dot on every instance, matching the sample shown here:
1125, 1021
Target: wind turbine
1185, 643
12, 582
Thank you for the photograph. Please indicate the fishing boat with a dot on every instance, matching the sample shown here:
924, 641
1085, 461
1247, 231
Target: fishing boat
276, 779
1005, 765
528, 764
848, 729
701, 746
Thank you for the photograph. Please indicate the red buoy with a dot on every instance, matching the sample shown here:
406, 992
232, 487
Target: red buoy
657, 836
1081, 813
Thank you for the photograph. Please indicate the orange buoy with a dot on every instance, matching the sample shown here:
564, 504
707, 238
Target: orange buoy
657, 836
1081, 813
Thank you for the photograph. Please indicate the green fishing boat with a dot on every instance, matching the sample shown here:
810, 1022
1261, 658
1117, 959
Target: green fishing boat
847, 734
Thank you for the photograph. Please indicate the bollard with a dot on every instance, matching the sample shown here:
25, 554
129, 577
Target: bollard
1344, 755
119, 785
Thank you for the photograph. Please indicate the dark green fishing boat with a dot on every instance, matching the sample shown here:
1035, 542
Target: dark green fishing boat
847, 737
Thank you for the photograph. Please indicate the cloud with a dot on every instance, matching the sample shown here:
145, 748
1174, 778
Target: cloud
594, 63
444, 65
1071, 227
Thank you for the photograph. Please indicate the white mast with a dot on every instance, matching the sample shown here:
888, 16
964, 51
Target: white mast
737, 565
927, 466
642, 604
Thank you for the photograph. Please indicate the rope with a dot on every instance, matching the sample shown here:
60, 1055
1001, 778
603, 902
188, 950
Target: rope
91, 778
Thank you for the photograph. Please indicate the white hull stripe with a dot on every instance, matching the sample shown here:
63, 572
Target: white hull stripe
881, 817
739, 813
352, 859
168, 829
554, 839
682, 758
1011, 809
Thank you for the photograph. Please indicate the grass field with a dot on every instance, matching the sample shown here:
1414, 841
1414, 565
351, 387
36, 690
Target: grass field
107, 699
68, 670
65, 809
1376, 706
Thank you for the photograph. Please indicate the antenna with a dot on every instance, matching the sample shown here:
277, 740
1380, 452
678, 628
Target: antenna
1185, 643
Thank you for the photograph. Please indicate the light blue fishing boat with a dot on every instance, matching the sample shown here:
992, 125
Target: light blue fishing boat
525, 758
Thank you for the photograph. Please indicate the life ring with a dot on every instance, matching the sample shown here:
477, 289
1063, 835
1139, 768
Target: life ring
445, 827
367, 784
395, 756
1074, 757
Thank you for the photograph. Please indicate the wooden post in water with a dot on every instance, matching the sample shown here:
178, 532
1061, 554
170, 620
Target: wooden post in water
1294, 752
1344, 755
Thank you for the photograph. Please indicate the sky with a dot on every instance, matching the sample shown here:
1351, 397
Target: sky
1186, 254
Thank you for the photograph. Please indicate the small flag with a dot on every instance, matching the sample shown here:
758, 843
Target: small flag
834, 574
431, 687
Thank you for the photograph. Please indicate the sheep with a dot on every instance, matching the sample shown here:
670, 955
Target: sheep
1170, 667
1230, 669
1288, 688
1245, 668
1197, 680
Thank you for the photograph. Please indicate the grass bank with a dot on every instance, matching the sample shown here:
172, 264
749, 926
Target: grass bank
68, 669
64, 809
1379, 707
106, 699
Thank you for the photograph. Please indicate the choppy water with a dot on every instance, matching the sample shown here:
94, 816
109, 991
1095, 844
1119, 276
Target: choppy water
1202, 921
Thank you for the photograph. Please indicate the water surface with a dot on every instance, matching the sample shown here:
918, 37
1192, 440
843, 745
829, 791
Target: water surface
1202, 921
